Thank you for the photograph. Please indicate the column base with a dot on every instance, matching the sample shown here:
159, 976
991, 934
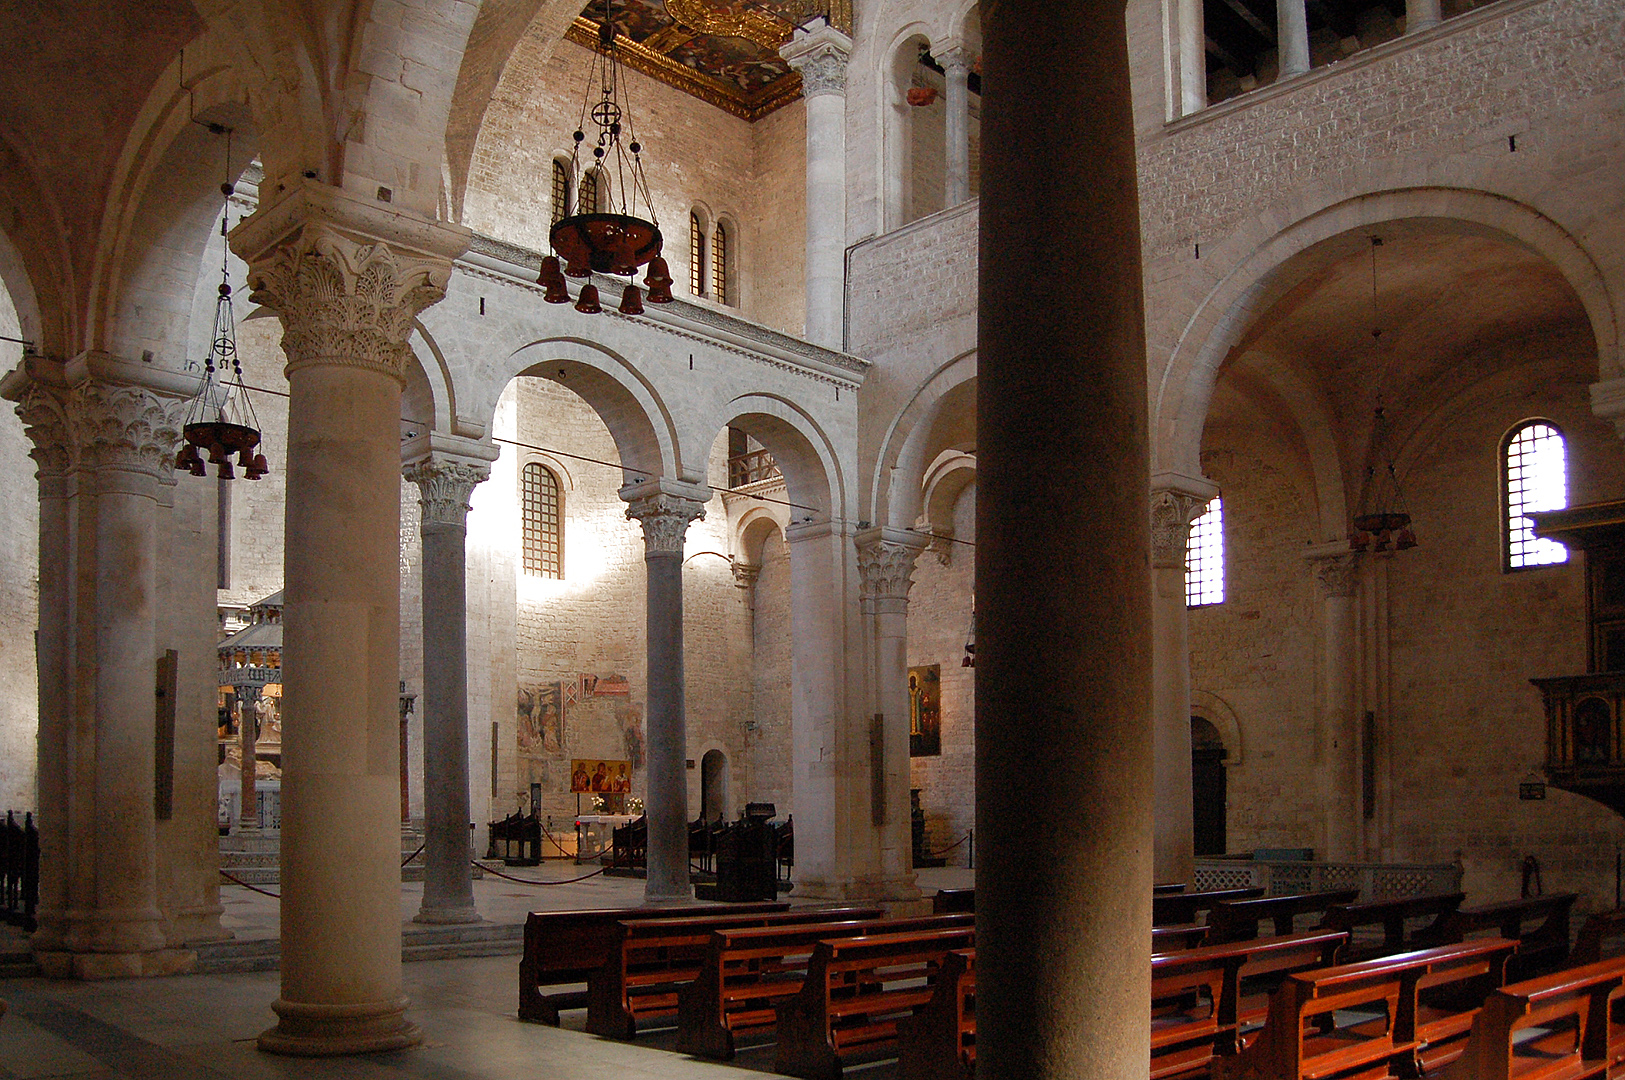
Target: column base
130, 965
333, 1030
899, 896
681, 896
447, 916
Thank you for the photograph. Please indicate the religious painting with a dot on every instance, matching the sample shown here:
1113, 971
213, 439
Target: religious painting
592, 777
541, 719
631, 718
925, 711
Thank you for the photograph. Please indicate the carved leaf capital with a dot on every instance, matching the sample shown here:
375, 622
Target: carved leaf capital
444, 488
1171, 515
885, 570
665, 519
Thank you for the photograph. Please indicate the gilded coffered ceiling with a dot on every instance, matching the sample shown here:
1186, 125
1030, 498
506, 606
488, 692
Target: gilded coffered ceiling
722, 52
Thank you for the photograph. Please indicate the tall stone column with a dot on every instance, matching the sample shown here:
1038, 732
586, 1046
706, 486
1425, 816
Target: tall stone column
347, 278
1176, 501
1192, 45
956, 66
1336, 573
446, 470
664, 508
1291, 37
820, 56
1063, 590
885, 568
1422, 14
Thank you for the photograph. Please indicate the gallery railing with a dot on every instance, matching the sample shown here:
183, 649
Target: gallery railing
1376, 881
19, 870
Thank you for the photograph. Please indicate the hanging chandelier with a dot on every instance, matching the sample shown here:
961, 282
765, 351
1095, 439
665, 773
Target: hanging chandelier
220, 419
1381, 522
614, 239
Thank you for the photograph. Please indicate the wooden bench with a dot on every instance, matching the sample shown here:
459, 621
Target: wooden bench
1539, 924
1171, 909
939, 1041
1165, 888
1406, 1015
1600, 928
650, 959
1177, 938
1555, 1027
1392, 915
563, 948
853, 995
747, 973
1237, 920
953, 902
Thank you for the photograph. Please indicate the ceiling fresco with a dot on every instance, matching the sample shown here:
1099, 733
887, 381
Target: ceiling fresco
725, 53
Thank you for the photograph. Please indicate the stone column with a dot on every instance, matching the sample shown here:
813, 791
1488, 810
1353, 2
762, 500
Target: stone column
664, 508
347, 278
885, 568
820, 56
956, 65
446, 470
1336, 573
1291, 38
1176, 501
248, 815
1192, 45
1422, 14
1063, 598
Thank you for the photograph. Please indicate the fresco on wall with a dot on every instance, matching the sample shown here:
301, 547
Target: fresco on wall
541, 720
586, 714
925, 711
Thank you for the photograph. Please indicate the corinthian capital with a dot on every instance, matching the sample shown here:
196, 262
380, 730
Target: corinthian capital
1336, 570
444, 487
665, 518
45, 422
1176, 501
125, 427
820, 56
886, 563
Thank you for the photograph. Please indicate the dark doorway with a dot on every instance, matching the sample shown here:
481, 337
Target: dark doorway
1207, 787
713, 786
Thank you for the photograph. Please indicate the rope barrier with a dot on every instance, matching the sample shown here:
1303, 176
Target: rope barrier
527, 881
415, 854
950, 847
251, 888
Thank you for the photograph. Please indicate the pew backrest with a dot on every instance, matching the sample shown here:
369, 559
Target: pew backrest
1173, 909
1393, 916
1574, 1035
1540, 925
953, 901
1238, 920
1596, 933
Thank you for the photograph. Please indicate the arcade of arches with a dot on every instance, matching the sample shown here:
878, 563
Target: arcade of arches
736, 542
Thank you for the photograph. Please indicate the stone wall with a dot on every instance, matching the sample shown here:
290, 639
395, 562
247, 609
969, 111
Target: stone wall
19, 602
769, 744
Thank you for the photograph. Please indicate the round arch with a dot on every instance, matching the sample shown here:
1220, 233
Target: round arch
898, 480
806, 456
895, 70
751, 530
1264, 275
950, 474
1218, 712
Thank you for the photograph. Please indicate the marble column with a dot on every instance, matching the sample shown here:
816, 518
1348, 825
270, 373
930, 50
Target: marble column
347, 278
885, 574
1336, 573
446, 470
1191, 41
1064, 789
1291, 37
956, 66
1176, 501
248, 813
665, 508
1422, 14
820, 56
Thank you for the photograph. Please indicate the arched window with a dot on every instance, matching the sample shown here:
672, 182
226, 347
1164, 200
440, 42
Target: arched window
1204, 557
696, 255
587, 203
543, 537
719, 265
1534, 476
561, 191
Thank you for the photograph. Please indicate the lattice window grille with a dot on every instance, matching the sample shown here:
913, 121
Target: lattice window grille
696, 255
543, 547
1204, 557
719, 264
1536, 479
561, 191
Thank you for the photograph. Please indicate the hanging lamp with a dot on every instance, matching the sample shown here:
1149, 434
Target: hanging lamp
625, 236
1381, 522
220, 419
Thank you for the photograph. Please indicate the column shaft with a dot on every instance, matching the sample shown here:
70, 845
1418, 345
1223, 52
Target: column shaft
667, 804
448, 886
1063, 588
1338, 737
1291, 37
1422, 14
1192, 57
958, 127
1175, 858
820, 57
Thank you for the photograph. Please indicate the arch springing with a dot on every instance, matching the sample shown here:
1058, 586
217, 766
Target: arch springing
1534, 476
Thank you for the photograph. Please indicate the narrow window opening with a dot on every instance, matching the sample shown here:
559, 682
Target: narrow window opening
719, 265
696, 255
561, 191
1204, 558
588, 200
543, 540
1535, 477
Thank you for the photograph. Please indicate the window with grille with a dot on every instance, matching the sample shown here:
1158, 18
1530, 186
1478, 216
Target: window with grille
588, 201
561, 191
543, 541
1534, 476
719, 265
1204, 557
696, 255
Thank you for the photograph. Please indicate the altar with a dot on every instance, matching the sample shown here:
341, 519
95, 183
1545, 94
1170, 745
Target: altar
595, 832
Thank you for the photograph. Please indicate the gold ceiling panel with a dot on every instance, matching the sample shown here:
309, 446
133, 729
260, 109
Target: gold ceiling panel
730, 20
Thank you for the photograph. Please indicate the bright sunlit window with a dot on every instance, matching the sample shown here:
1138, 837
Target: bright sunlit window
1204, 558
1535, 477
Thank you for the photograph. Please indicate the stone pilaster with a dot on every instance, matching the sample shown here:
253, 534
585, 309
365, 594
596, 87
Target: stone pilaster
446, 470
1336, 571
1176, 501
665, 508
820, 56
886, 560
346, 277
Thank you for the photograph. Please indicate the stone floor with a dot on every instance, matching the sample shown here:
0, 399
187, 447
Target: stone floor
202, 1027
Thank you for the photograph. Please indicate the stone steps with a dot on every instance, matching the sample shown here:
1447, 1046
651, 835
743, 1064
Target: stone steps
418, 942
17, 965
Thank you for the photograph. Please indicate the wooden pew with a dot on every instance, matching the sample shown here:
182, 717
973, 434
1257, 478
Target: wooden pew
1166, 888
650, 959
747, 972
1600, 928
1237, 920
1172, 909
939, 1041
953, 901
1576, 1037
565, 947
1392, 915
1539, 924
1419, 1007
854, 992
1202, 1003
1177, 938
